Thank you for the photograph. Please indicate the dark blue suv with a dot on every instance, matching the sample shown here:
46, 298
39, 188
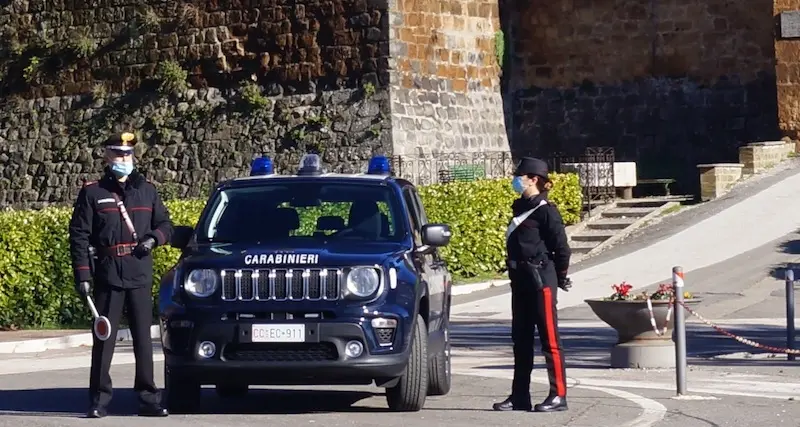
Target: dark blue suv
308, 279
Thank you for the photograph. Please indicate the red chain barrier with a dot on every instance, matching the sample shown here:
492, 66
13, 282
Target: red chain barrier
736, 337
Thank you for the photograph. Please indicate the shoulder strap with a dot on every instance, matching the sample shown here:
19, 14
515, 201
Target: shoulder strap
124, 213
517, 220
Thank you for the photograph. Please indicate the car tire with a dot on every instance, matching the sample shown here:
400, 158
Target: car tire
440, 369
411, 390
182, 394
232, 390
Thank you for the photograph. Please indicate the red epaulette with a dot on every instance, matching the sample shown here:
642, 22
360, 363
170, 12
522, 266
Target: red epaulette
88, 183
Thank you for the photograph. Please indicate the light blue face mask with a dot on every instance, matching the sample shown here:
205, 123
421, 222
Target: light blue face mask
122, 169
517, 184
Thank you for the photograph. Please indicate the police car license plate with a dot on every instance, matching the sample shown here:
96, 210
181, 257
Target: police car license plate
278, 333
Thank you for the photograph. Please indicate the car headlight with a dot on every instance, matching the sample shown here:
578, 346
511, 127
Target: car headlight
201, 283
363, 281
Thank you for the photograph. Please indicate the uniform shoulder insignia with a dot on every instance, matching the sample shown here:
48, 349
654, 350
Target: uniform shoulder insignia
88, 183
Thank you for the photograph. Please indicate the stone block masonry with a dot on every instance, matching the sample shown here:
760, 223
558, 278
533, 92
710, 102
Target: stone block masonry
668, 84
758, 157
445, 81
718, 178
210, 84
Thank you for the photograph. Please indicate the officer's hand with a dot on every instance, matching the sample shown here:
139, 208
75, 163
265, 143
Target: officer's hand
83, 288
144, 247
565, 284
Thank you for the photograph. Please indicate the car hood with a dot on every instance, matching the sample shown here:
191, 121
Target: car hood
228, 255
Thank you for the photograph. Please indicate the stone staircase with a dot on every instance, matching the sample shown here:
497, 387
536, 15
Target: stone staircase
612, 221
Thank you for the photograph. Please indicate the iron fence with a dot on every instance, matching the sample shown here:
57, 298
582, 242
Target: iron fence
449, 167
595, 169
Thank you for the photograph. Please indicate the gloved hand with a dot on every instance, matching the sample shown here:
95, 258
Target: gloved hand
565, 283
83, 288
144, 247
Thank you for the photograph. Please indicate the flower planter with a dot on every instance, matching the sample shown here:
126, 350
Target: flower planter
638, 345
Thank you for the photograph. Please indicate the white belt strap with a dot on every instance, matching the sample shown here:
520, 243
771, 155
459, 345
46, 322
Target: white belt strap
517, 220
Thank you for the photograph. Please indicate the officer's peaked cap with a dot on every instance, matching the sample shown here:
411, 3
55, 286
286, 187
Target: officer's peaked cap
124, 141
532, 166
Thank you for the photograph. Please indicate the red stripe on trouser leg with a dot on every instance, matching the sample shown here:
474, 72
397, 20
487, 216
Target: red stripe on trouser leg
551, 339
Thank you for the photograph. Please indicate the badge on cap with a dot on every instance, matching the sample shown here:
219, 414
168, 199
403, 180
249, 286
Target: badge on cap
124, 142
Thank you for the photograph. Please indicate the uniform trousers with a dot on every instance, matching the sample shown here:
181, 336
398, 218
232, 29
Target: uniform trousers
138, 304
534, 310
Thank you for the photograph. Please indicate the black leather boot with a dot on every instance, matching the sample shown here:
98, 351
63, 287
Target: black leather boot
552, 404
152, 410
96, 411
511, 405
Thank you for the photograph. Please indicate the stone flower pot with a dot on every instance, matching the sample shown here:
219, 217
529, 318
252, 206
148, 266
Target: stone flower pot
638, 345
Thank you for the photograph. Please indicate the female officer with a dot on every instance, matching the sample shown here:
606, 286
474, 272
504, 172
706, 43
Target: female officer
538, 258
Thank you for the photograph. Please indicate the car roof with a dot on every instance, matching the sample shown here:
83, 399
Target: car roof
364, 178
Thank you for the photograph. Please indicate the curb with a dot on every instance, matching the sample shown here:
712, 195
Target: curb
67, 341
466, 289
85, 339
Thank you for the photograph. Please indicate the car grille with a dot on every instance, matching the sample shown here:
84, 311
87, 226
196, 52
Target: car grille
281, 284
281, 352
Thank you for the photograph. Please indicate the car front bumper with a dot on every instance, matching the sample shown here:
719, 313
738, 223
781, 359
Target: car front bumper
319, 359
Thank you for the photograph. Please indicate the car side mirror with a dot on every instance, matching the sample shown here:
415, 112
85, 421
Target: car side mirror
180, 236
436, 235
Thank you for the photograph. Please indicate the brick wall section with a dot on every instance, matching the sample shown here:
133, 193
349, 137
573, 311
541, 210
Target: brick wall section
787, 58
445, 81
669, 84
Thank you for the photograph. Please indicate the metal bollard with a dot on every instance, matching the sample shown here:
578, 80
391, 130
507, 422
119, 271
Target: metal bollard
790, 312
680, 331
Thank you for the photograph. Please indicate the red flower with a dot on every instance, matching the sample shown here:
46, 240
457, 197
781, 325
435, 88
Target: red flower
622, 289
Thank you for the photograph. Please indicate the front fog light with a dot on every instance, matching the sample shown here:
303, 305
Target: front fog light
207, 350
353, 349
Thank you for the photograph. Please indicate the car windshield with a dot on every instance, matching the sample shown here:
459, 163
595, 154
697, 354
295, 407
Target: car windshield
293, 212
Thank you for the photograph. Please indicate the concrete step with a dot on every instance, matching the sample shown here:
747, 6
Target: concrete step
641, 203
582, 247
610, 223
593, 235
627, 212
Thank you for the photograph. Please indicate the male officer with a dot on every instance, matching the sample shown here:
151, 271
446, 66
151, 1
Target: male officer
123, 217
538, 258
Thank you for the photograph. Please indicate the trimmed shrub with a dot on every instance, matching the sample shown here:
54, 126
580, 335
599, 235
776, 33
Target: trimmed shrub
36, 279
478, 213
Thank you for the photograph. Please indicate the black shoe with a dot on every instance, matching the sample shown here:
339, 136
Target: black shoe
154, 410
552, 404
510, 405
96, 412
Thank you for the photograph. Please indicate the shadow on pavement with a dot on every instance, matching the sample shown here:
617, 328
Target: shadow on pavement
588, 348
72, 402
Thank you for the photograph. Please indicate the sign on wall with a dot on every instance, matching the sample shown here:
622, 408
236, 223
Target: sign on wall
790, 24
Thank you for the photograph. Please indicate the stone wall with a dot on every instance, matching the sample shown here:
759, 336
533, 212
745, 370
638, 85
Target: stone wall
787, 69
445, 81
667, 84
183, 74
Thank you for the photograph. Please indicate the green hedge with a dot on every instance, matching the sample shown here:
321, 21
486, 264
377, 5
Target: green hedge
36, 281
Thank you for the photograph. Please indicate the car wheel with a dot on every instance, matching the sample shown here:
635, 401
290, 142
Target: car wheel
232, 390
182, 394
440, 370
410, 392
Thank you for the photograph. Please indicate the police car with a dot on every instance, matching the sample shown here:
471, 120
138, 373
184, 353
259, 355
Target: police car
308, 279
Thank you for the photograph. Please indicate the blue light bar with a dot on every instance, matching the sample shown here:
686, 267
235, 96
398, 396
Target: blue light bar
261, 166
379, 165
310, 164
